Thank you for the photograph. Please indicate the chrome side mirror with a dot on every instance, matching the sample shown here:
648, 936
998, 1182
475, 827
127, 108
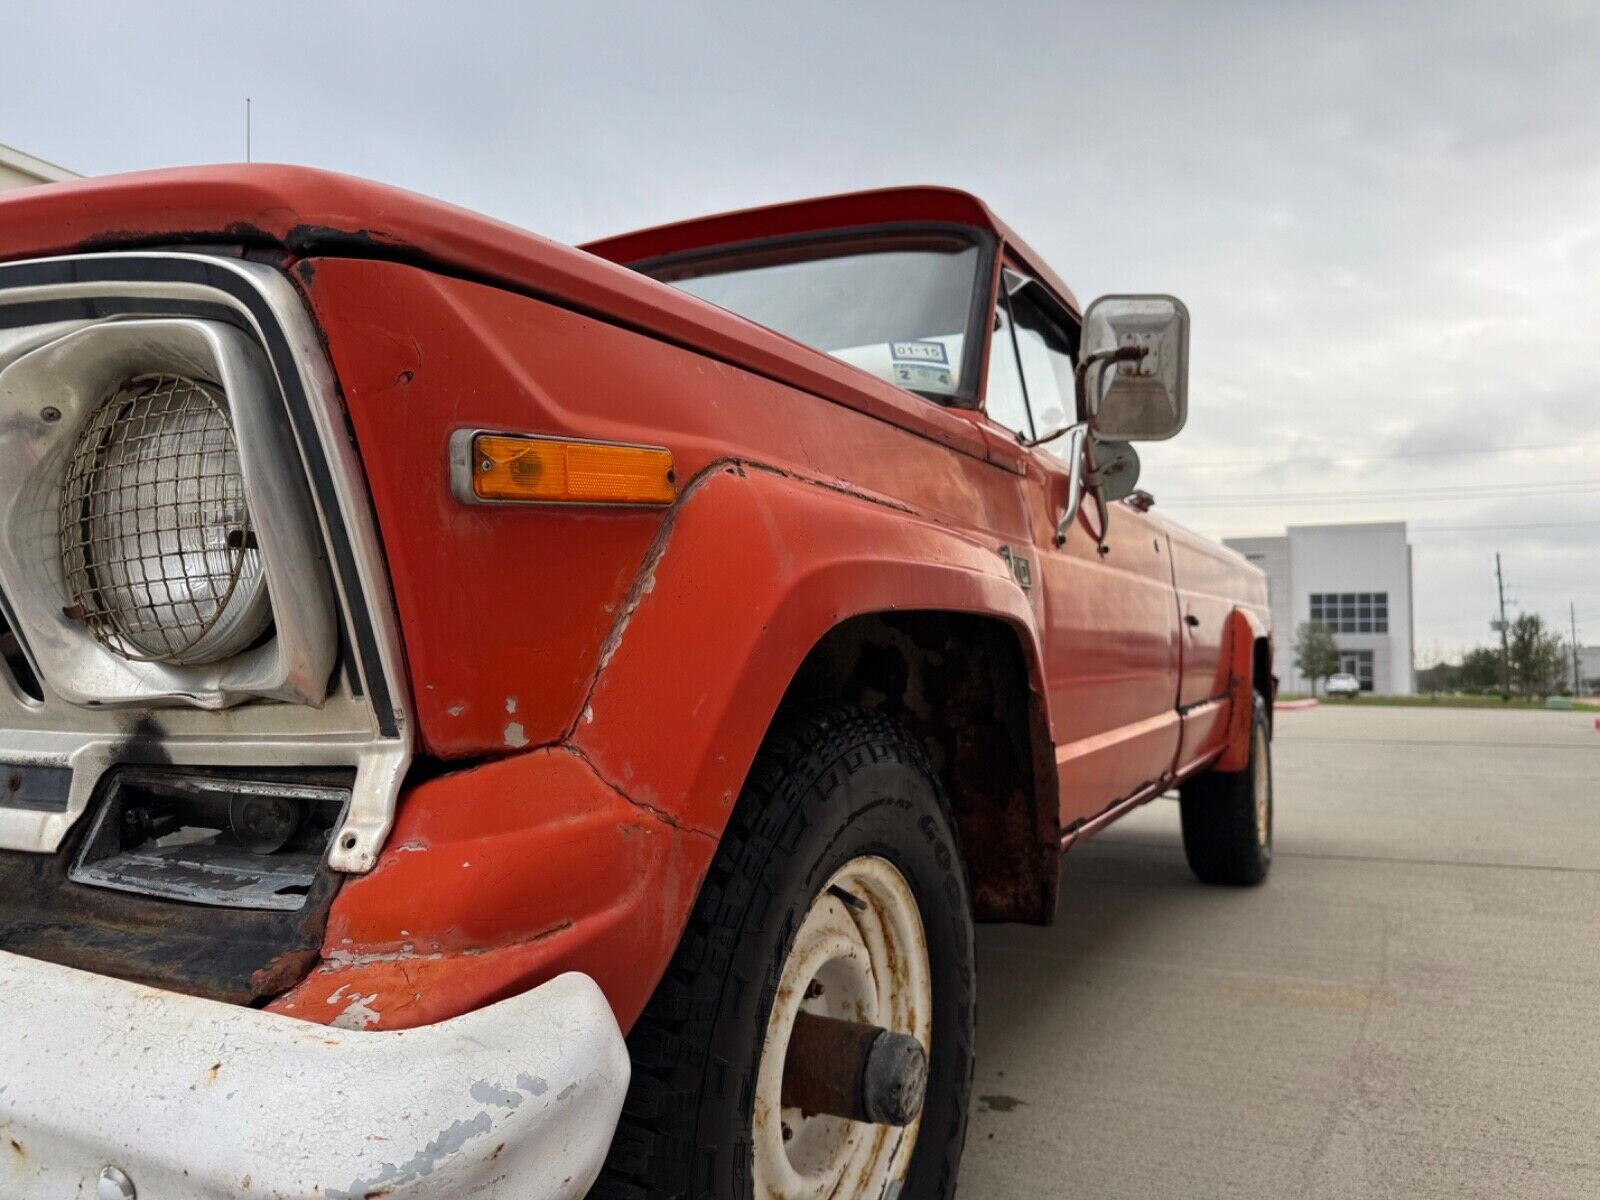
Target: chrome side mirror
1133, 368
1116, 469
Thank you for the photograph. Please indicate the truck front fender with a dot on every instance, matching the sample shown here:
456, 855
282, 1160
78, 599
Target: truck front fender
754, 568
587, 855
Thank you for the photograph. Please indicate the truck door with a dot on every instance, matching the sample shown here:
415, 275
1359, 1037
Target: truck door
1108, 614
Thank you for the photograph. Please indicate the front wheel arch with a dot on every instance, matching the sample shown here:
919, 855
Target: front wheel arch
965, 685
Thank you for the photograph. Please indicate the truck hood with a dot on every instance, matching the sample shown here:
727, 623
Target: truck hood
307, 213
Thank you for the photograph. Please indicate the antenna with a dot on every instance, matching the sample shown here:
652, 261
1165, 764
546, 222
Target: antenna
247, 129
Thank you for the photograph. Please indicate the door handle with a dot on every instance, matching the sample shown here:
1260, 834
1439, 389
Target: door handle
1192, 621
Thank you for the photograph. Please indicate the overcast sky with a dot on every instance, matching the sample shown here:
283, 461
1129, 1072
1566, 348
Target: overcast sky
1385, 218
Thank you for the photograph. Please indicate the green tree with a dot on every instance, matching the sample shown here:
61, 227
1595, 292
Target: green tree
1316, 654
1441, 677
1480, 670
1537, 661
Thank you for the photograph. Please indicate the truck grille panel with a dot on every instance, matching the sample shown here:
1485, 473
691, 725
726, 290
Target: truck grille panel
15, 658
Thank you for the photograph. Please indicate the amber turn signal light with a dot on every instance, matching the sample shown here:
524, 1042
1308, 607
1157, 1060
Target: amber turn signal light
540, 470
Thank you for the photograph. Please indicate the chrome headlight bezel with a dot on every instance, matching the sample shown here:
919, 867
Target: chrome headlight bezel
365, 720
48, 394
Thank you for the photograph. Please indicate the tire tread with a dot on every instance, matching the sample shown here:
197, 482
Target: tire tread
1219, 823
658, 1151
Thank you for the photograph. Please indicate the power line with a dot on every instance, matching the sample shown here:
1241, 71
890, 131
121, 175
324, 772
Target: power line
1565, 487
1562, 591
1518, 525
1443, 487
1412, 530
1399, 455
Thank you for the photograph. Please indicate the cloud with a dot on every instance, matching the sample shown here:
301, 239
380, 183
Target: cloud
1385, 218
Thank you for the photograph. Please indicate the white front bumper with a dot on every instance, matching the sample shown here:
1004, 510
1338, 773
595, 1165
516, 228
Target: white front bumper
191, 1098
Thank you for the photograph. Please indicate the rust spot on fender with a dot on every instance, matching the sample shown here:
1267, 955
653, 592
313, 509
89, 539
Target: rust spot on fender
283, 972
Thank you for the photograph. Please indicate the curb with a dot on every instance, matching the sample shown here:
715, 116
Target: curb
1296, 705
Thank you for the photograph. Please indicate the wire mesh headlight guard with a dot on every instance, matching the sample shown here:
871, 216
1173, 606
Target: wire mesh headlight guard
148, 513
157, 548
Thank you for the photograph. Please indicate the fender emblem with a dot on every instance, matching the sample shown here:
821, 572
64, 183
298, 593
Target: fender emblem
1021, 571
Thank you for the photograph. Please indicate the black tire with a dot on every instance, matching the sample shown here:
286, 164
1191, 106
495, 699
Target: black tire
1221, 835
826, 788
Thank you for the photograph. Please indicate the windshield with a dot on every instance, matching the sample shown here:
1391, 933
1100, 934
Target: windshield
897, 309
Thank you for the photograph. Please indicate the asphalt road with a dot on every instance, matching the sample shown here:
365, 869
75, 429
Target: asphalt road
1410, 1007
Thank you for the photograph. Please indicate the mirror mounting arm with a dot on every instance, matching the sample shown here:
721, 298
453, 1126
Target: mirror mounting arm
1118, 354
1078, 435
1094, 480
1083, 476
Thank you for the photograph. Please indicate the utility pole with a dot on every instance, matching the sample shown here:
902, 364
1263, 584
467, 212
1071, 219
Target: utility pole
247, 129
1572, 616
1505, 641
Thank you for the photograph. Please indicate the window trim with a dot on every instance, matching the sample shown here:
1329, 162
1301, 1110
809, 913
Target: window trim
1016, 358
1056, 309
969, 390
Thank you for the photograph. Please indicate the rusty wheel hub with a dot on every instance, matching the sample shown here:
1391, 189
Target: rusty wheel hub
848, 1033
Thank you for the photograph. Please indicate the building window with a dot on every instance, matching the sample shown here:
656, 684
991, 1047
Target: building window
1359, 664
1352, 612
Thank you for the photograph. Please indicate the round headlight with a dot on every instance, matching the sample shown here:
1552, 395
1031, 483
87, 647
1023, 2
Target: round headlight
157, 547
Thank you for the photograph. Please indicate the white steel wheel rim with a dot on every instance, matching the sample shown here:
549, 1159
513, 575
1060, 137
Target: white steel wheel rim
859, 955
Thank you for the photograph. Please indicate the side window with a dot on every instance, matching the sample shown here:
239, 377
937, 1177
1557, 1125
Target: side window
1046, 350
1003, 398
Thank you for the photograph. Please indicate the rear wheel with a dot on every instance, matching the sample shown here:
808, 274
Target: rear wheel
1227, 815
837, 891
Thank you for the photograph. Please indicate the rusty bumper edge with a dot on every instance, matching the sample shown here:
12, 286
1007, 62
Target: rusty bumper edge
190, 1098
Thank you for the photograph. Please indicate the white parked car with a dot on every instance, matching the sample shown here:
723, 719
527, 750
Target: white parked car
1343, 684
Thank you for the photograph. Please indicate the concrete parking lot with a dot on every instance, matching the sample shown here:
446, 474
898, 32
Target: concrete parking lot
1409, 1008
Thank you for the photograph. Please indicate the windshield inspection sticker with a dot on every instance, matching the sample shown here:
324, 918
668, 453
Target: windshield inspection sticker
922, 365
927, 352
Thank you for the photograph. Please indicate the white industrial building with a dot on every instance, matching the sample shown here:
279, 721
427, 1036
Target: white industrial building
20, 170
1589, 670
1354, 578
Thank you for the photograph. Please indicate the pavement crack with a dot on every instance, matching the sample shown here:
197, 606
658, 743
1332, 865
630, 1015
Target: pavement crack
1346, 1102
1532, 747
1397, 860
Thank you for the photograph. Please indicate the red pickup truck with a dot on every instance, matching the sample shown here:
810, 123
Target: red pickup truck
485, 718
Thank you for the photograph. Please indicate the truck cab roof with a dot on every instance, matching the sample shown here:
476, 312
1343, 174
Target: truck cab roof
881, 207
